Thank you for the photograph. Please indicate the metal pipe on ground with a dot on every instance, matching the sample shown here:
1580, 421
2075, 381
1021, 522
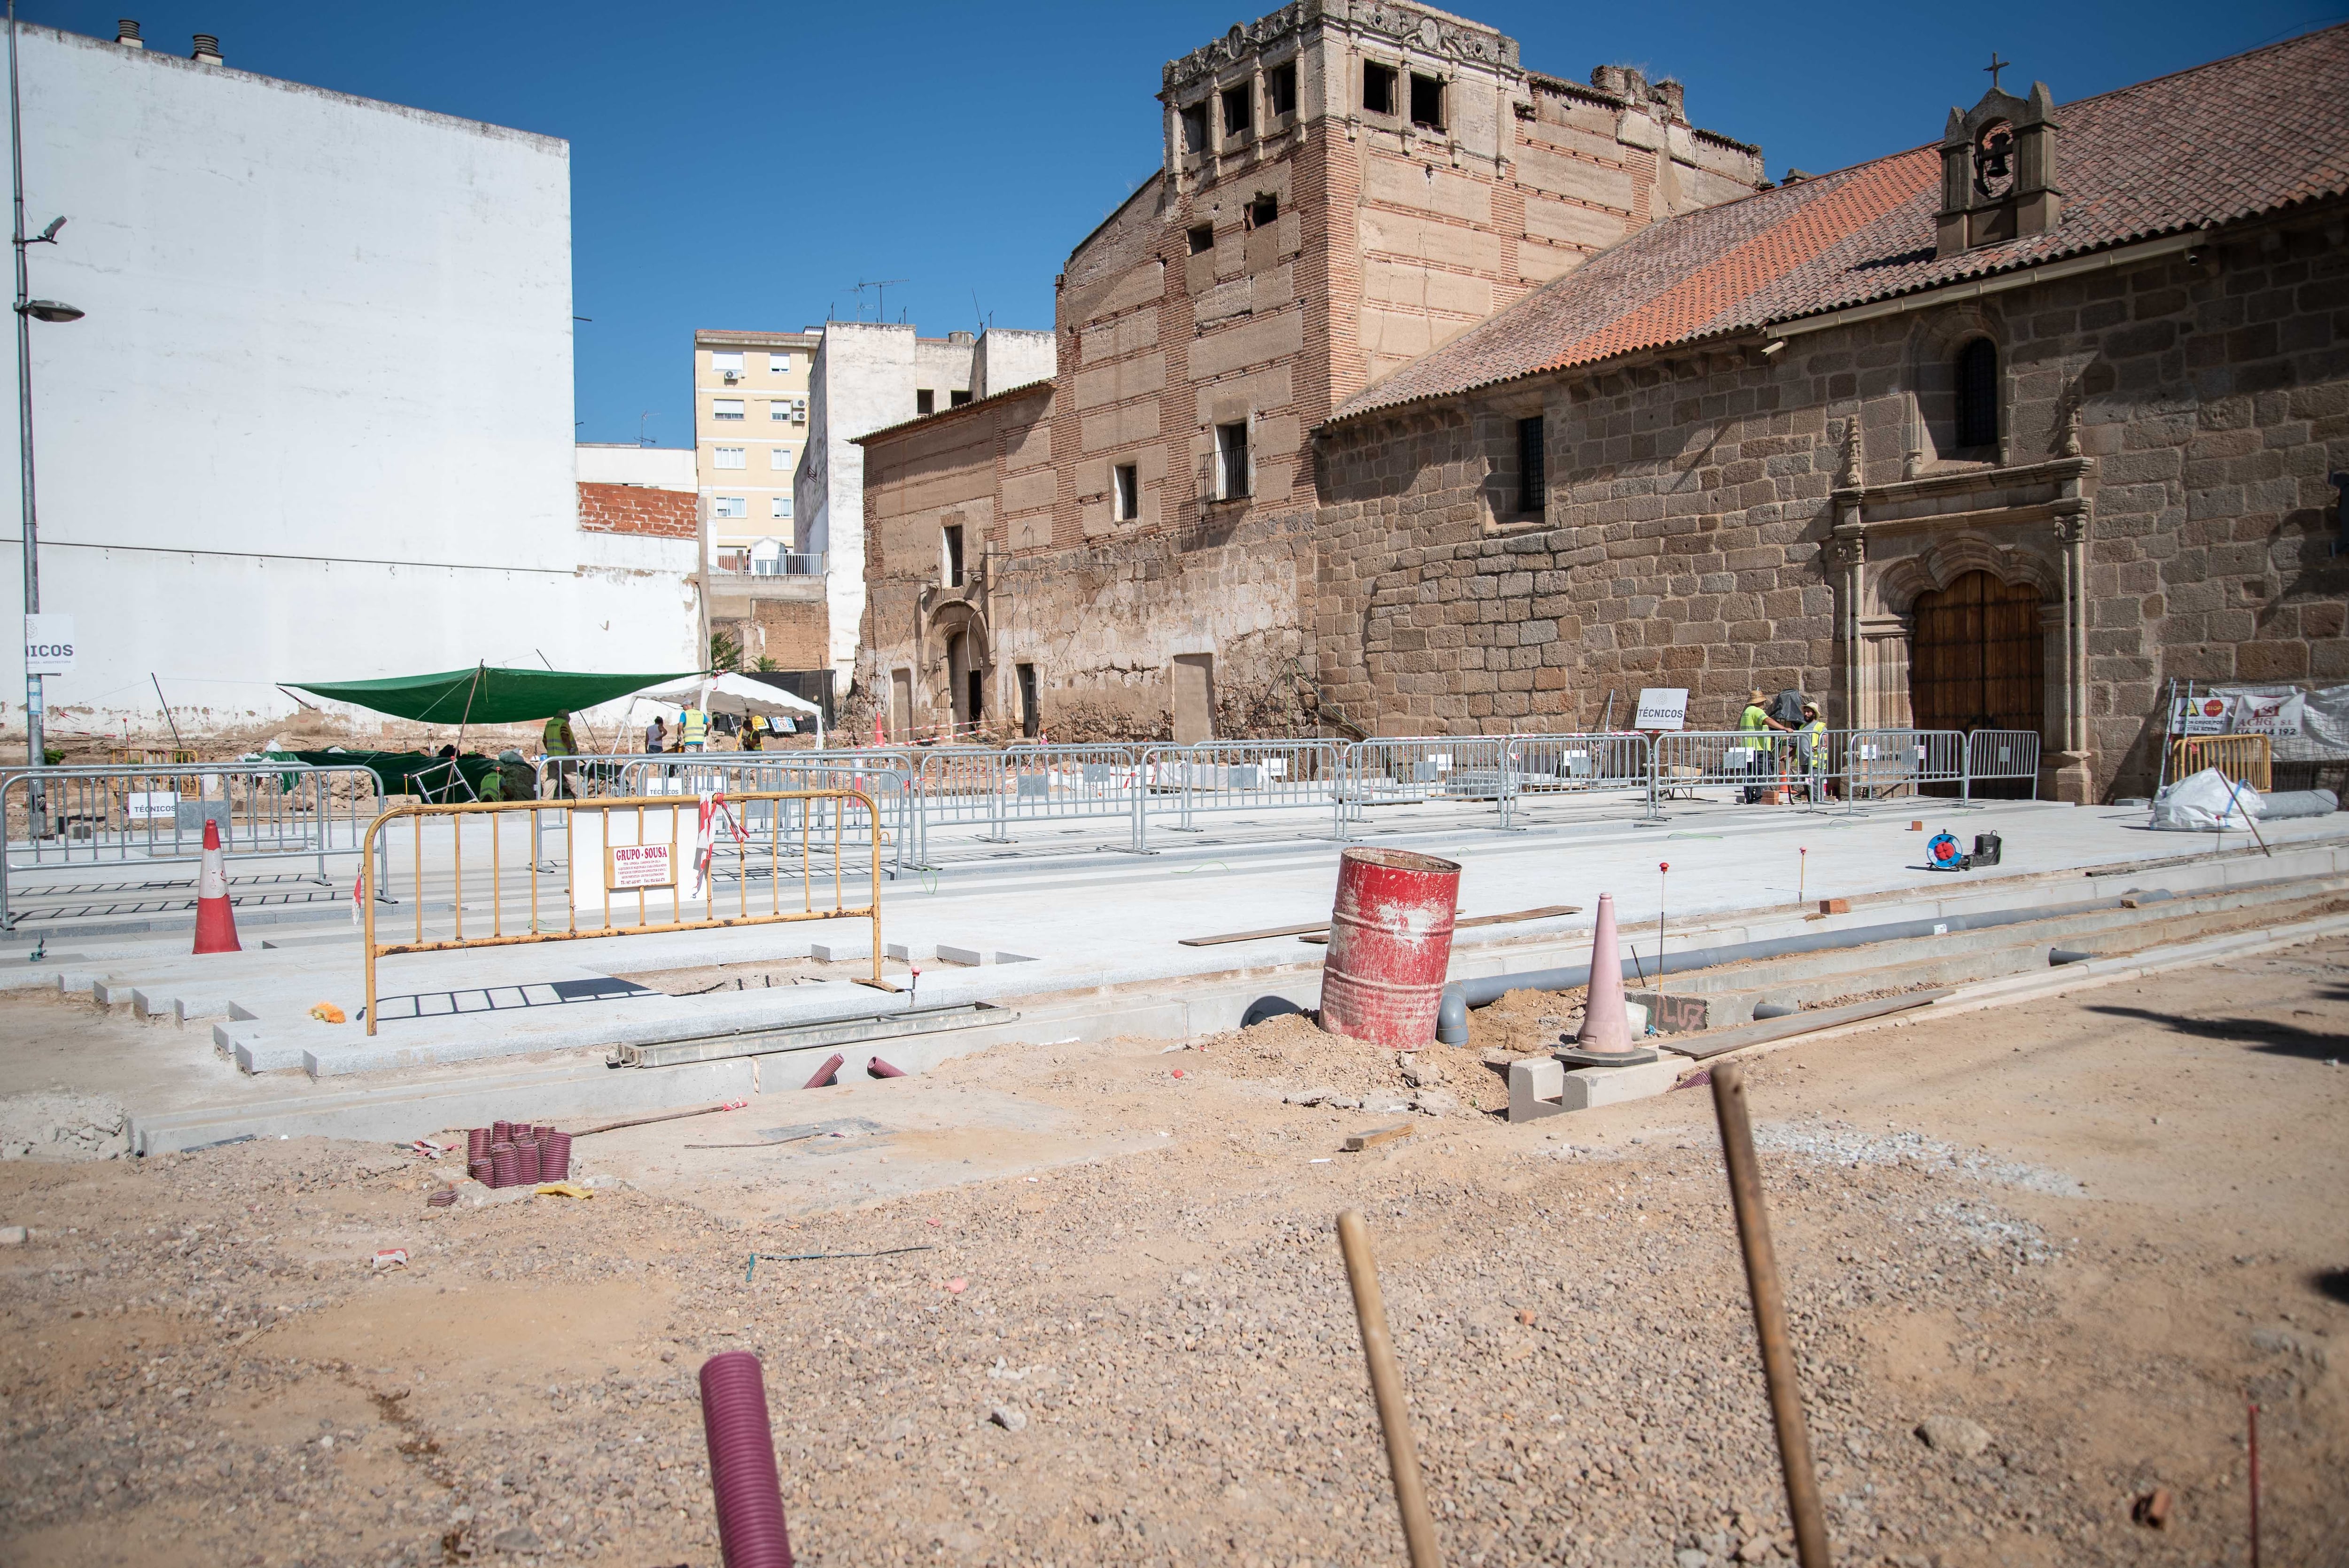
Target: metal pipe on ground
1769, 1315
1451, 1017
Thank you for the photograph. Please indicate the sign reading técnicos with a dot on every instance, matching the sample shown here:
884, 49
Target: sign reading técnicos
1662, 707
48, 645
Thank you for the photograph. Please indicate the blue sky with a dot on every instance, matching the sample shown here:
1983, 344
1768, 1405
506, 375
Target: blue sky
743, 165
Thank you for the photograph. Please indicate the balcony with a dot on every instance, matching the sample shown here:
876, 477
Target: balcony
739, 564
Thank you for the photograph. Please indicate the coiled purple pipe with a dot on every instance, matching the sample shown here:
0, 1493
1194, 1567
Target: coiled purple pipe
526, 1164
742, 1474
503, 1170
555, 1157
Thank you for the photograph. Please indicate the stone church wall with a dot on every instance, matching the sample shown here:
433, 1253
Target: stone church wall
1693, 534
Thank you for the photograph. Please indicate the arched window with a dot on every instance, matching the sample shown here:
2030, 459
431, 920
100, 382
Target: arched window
1978, 393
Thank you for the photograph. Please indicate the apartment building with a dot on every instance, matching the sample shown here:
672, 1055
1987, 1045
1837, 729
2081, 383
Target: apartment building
750, 428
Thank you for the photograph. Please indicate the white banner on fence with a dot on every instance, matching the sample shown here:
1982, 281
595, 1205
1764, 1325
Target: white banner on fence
617, 850
1661, 707
2269, 713
2200, 716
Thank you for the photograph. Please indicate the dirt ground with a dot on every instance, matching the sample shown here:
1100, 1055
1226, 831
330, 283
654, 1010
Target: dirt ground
2069, 1239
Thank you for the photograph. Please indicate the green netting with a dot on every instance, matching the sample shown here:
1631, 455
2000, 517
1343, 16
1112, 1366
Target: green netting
485, 694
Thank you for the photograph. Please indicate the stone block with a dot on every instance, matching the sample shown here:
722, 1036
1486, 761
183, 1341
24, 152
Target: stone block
1587, 1086
1535, 1084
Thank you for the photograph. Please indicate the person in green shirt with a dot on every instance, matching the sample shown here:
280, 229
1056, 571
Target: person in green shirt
1761, 760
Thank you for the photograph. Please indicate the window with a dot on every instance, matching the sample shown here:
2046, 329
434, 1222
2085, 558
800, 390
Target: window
779, 409
952, 534
782, 509
726, 407
1203, 238
1978, 393
925, 400
1532, 479
779, 362
1231, 461
1426, 101
1264, 212
1194, 128
779, 459
730, 458
726, 363
1127, 484
1378, 89
1280, 90
957, 399
728, 506
1236, 110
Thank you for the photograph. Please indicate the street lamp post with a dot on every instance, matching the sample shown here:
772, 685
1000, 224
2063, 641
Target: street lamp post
28, 310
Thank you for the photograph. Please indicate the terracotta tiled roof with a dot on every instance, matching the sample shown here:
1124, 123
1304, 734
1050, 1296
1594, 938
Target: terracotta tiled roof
2240, 136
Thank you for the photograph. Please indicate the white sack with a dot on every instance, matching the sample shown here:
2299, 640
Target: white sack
2207, 802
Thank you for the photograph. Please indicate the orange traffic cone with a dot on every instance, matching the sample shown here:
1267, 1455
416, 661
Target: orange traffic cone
1606, 1037
216, 920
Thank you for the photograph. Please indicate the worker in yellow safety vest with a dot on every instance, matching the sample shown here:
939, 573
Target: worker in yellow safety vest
1811, 742
753, 732
692, 729
559, 742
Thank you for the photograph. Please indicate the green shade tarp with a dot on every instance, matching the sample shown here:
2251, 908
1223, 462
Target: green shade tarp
484, 693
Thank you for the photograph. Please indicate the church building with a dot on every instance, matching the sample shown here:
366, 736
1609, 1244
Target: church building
2001, 431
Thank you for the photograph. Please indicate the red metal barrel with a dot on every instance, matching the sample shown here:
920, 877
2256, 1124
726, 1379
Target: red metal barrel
1390, 944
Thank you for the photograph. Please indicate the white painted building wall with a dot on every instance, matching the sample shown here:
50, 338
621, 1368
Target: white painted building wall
620, 463
316, 423
866, 378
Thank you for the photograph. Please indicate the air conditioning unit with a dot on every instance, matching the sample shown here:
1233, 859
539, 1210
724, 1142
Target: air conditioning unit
733, 378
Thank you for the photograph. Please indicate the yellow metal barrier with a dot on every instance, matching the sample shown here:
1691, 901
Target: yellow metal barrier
634, 865
2243, 759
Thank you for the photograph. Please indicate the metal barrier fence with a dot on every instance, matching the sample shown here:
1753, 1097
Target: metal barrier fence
2243, 759
129, 817
1881, 763
1542, 766
642, 865
887, 778
1213, 777
1418, 770
1759, 762
1996, 755
1042, 783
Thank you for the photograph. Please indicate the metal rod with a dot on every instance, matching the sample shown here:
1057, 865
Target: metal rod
1769, 1315
36, 748
1386, 1388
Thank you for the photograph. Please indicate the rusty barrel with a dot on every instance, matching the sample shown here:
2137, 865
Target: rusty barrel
1390, 944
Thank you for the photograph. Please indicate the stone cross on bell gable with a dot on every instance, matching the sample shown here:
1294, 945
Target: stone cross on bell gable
1995, 66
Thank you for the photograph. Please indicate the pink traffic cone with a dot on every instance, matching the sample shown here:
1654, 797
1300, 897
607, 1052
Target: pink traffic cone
1603, 1029
216, 917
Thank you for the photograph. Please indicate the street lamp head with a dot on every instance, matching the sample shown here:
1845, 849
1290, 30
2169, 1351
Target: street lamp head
49, 310
50, 233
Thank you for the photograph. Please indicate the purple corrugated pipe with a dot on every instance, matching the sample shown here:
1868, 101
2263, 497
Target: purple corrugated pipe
742, 1474
526, 1163
504, 1167
826, 1074
555, 1158
880, 1069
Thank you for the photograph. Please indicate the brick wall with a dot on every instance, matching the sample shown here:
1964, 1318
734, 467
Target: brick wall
635, 509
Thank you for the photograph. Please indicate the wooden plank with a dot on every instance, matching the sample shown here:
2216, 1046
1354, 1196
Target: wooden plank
1320, 934
1704, 1047
1255, 935
1358, 1141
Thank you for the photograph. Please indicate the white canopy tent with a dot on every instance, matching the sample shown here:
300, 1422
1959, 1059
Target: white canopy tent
725, 692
